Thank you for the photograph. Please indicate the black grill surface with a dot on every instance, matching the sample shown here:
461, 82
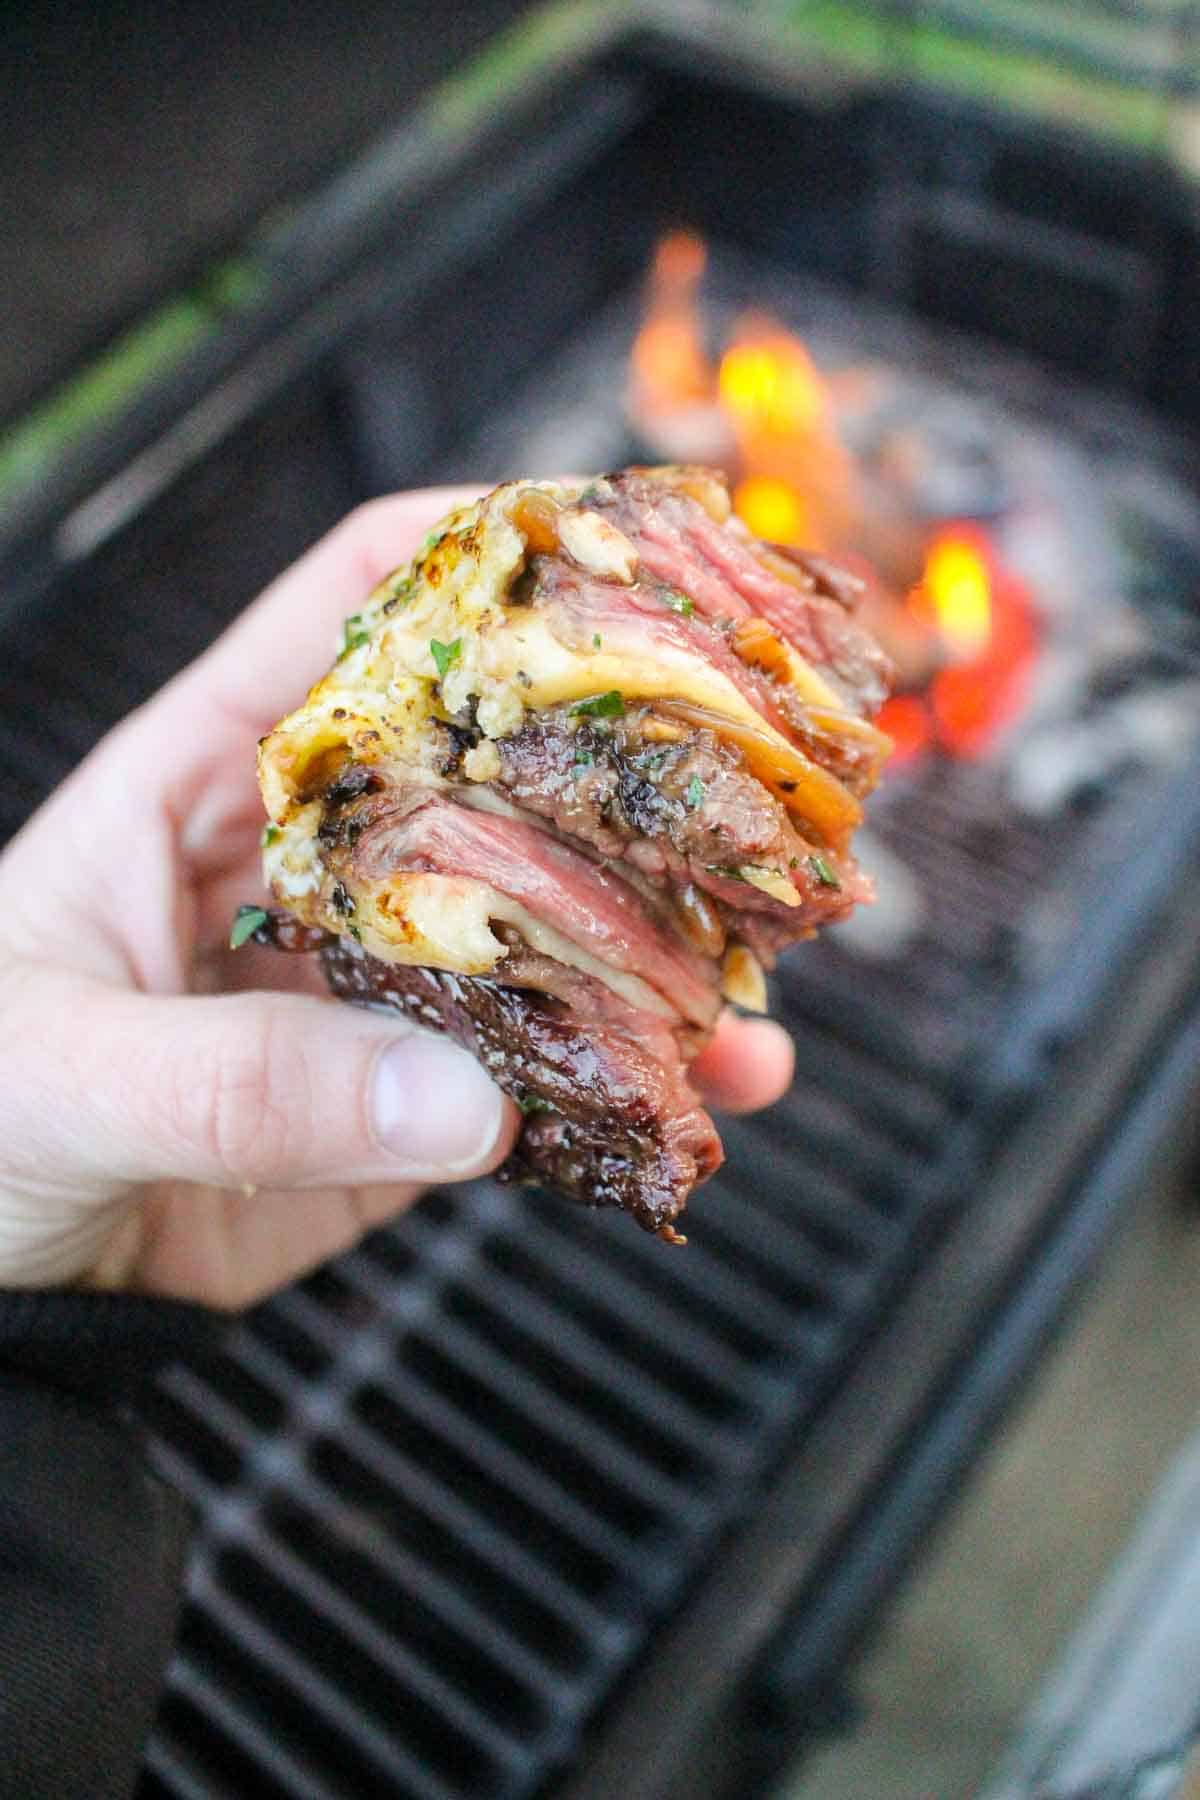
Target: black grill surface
446, 1485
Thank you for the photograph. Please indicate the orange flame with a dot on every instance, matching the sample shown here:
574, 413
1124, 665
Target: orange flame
905, 719
985, 620
772, 509
670, 367
767, 414
764, 414
973, 700
798, 484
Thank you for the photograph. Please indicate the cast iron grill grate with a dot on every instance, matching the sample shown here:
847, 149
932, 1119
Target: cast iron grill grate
445, 1484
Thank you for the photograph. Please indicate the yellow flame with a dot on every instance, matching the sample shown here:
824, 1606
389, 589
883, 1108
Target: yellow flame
772, 509
769, 384
958, 586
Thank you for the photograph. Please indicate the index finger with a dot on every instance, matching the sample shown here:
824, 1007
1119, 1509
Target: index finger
748, 1064
265, 663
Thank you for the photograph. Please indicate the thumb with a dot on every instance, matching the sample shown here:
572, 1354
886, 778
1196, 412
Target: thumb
262, 1089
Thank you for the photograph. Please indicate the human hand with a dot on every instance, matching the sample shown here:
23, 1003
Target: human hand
170, 1120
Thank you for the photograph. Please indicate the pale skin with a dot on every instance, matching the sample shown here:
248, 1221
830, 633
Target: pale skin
180, 1119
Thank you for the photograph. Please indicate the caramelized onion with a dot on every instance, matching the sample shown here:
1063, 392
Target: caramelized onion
311, 774
535, 516
772, 557
700, 920
708, 490
742, 979
811, 794
759, 645
658, 731
849, 725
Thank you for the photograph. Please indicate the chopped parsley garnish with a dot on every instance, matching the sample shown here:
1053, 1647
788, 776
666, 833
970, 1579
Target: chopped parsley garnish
678, 603
444, 655
583, 758
695, 792
400, 595
354, 634
601, 706
531, 1103
596, 640
824, 874
246, 921
269, 835
355, 933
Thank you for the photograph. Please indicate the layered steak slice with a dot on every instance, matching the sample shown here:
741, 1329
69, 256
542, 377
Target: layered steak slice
580, 772
609, 1116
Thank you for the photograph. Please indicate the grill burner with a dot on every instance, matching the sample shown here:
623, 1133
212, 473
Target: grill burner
477, 1503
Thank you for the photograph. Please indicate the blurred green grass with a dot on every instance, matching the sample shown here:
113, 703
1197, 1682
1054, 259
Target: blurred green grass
30, 449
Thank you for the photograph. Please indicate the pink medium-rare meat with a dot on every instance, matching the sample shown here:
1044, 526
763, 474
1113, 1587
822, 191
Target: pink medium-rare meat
580, 771
808, 600
645, 620
556, 884
651, 617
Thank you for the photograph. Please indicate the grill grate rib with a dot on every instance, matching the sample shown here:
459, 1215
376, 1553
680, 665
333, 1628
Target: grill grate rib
427, 1424
247, 1753
693, 1362
590, 1375
331, 1633
365, 1554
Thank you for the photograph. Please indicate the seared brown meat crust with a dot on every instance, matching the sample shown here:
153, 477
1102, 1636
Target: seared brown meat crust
609, 1128
612, 785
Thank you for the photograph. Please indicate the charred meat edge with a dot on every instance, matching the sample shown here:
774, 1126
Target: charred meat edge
605, 1123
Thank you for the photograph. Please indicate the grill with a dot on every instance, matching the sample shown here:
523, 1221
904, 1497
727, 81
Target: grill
510, 1501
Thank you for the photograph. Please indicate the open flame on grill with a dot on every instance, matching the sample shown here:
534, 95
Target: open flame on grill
956, 589
982, 617
671, 370
769, 385
964, 635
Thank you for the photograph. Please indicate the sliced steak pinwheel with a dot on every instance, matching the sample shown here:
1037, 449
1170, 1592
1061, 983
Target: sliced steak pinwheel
578, 775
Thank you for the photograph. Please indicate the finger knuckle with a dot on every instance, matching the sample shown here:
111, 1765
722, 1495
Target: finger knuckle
249, 1106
